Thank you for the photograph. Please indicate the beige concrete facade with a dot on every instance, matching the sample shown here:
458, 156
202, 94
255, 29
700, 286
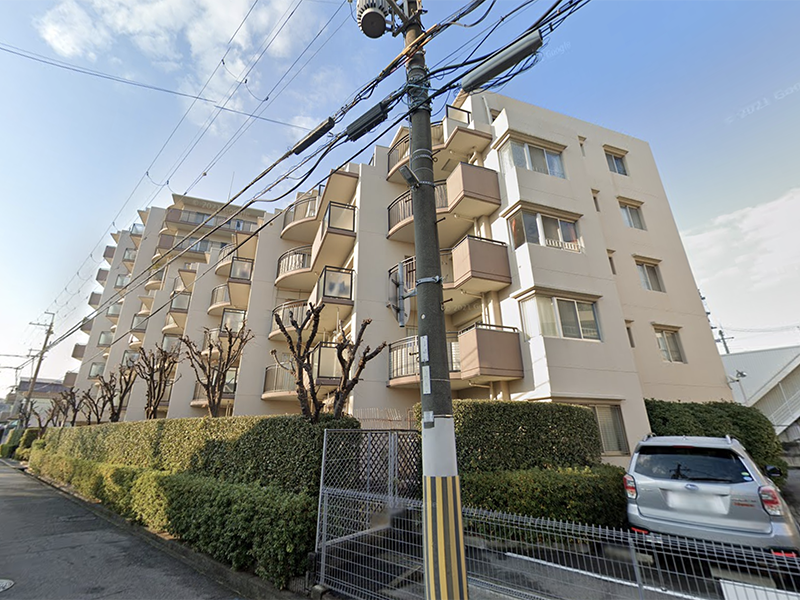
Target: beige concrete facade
564, 277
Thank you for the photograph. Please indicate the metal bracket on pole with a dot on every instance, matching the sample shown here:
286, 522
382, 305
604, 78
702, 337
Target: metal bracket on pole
435, 279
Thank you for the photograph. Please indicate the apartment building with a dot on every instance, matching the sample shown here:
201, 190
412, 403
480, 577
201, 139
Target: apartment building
564, 277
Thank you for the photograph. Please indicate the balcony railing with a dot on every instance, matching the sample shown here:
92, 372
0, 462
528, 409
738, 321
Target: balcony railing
296, 307
114, 310
294, 260
278, 379
139, 323
401, 209
241, 269
409, 270
228, 391
219, 221
458, 114
180, 302
334, 283
404, 356
306, 208
195, 245
399, 150
129, 255
324, 362
220, 295
137, 229
571, 246
339, 216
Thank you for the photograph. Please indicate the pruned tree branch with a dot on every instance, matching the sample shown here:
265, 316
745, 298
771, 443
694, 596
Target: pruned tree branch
156, 368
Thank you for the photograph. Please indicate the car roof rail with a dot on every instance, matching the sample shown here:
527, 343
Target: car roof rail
647, 436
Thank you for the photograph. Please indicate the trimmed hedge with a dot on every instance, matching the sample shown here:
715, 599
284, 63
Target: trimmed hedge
582, 495
23, 451
12, 442
283, 450
247, 526
717, 419
493, 435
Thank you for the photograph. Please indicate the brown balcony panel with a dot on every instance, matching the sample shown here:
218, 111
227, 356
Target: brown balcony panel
332, 247
94, 299
79, 351
240, 293
490, 353
480, 265
473, 191
102, 276
108, 253
86, 325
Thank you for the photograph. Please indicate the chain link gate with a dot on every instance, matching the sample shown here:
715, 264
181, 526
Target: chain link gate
369, 542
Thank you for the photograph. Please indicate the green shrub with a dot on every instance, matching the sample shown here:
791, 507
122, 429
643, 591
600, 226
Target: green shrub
283, 450
583, 495
503, 436
7, 450
29, 436
716, 419
23, 454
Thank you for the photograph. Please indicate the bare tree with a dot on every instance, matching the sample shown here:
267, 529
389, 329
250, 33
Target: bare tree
94, 406
58, 413
72, 404
126, 378
156, 368
212, 363
347, 353
301, 361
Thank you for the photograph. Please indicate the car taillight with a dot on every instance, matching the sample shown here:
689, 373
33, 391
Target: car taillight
630, 486
770, 500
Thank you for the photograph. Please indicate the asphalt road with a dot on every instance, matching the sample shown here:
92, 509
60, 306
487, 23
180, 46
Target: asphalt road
51, 547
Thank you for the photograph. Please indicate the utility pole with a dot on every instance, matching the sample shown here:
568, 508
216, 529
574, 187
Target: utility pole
723, 339
443, 530
26, 412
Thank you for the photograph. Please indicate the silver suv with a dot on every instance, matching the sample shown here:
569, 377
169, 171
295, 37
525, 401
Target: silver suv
707, 488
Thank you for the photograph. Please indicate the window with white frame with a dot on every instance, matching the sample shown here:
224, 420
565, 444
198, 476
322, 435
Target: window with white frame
96, 369
669, 343
612, 429
562, 317
533, 158
616, 163
543, 230
632, 216
650, 276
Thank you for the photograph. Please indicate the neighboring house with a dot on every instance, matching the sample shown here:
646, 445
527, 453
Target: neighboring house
565, 278
770, 381
43, 392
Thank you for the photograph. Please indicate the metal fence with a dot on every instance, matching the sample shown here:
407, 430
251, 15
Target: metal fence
369, 543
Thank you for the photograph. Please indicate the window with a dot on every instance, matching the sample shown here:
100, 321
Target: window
616, 163
691, 464
650, 276
533, 158
96, 369
632, 216
612, 430
121, 281
670, 345
559, 317
542, 230
105, 339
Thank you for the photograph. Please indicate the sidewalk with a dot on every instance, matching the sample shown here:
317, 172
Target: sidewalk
52, 546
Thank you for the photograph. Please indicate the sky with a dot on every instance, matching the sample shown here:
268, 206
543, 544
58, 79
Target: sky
713, 86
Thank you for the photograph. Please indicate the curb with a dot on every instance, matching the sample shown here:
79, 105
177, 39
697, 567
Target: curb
245, 584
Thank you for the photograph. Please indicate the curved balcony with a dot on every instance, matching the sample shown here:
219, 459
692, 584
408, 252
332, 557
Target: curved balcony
200, 398
278, 384
134, 343
171, 326
224, 260
220, 300
155, 282
401, 213
300, 218
297, 308
294, 269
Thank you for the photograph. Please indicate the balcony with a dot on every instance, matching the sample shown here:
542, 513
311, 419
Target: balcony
325, 367
113, 312
335, 289
177, 219
451, 139
102, 276
94, 299
404, 362
138, 329
278, 384
155, 282
137, 231
108, 253
474, 265
490, 353
134, 343
294, 270
200, 398
176, 316
336, 236
239, 272
86, 325
287, 310
128, 258
191, 247
79, 351
478, 354
300, 218
227, 295
468, 193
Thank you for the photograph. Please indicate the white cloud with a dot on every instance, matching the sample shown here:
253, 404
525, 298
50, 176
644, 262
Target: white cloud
747, 264
72, 32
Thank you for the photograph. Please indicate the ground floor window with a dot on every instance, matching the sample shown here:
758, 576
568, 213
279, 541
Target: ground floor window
612, 429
